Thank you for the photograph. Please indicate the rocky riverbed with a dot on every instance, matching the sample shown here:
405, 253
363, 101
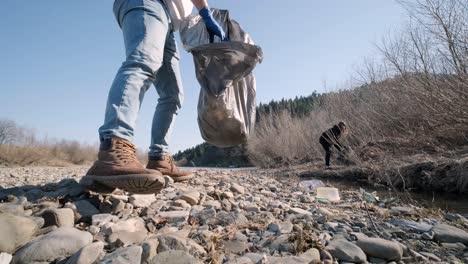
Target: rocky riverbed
221, 216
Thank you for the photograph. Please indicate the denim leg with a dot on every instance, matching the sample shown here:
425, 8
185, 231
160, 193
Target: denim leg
168, 84
145, 27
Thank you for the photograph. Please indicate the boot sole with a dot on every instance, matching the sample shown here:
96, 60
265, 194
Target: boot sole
134, 183
182, 178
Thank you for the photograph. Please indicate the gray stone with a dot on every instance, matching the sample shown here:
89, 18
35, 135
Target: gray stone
129, 232
12, 208
102, 219
312, 255
190, 197
299, 211
430, 256
235, 246
5, 258
142, 200
85, 209
174, 216
241, 260
420, 227
88, 254
237, 188
129, 255
150, 249
58, 217
289, 260
380, 248
428, 236
281, 228
62, 242
346, 251
450, 234
282, 244
256, 257
397, 210
213, 204
169, 242
174, 257
375, 260
15, 231
454, 246
227, 195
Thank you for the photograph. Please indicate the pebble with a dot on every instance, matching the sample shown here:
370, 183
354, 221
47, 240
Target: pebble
142, 200
346, 251
190, 197
300, 211
5, 258
58, 217
128, 255
169, 242
88, 254
85, 209
174, 257
237, 188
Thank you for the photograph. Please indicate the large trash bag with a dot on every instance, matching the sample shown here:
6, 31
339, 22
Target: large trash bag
226, 106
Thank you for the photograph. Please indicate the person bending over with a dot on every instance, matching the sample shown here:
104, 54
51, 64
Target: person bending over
331, 138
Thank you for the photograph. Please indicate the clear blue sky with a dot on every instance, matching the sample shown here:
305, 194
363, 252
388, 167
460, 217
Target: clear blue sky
58, 58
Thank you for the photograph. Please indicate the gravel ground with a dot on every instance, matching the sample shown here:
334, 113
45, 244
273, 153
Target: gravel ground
221, 216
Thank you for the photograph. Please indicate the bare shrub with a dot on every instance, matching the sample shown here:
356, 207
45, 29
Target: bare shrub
413, 96
21, 147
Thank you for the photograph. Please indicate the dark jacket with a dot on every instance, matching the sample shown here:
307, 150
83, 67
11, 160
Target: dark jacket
332, 137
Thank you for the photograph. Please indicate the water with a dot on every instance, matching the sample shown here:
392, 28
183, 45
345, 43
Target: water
450, 202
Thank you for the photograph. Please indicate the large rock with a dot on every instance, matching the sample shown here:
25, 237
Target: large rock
59, 217
450, 234
346, 251
380, 248
88, 254
129, 255
15, 231
168, 242
174, 257
62, 242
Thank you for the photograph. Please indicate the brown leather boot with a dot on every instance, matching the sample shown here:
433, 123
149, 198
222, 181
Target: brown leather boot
118, 167
166, 165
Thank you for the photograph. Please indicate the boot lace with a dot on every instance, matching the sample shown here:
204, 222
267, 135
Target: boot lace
126, 151
171, 161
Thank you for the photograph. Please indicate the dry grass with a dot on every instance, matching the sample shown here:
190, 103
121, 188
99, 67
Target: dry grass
411, 99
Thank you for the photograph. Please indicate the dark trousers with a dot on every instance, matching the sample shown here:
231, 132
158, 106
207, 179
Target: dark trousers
327, 147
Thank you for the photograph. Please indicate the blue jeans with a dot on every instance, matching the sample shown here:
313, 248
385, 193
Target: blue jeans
151, 58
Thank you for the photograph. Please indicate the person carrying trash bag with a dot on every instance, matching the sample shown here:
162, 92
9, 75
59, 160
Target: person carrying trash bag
226, 105
331, 138
152, 57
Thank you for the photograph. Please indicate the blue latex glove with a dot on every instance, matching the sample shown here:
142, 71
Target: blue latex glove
214, 29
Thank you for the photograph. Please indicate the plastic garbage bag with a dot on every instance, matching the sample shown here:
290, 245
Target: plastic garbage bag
311, 185
226, 105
